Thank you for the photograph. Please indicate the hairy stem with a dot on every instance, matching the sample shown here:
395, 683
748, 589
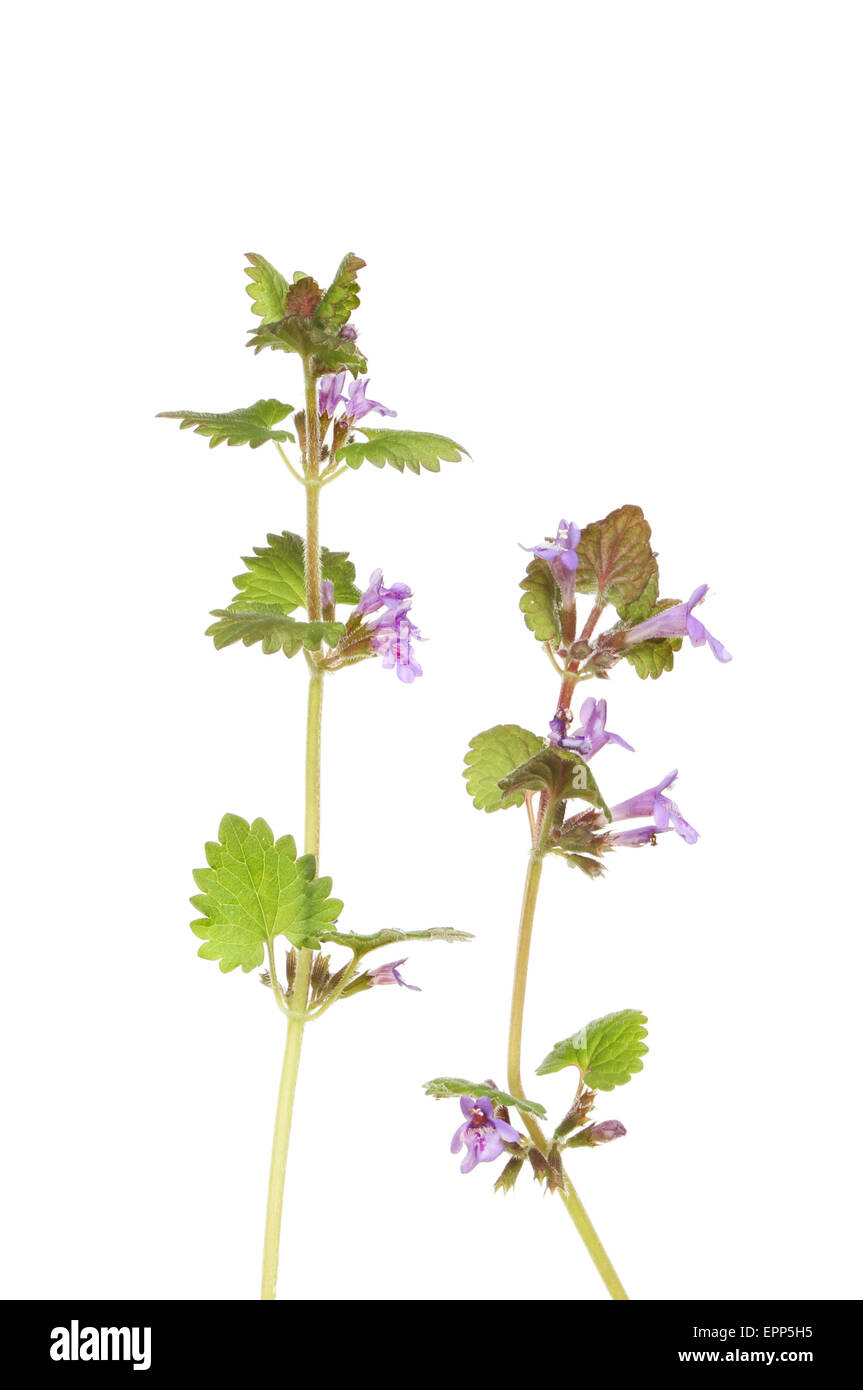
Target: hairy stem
312, 845
570, 1197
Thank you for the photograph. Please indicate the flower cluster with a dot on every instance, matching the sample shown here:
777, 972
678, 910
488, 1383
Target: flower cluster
356, 404
392, 633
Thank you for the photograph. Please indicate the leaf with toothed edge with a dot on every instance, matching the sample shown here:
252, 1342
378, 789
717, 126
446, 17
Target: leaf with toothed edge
453, 1087
539, 603
252, 425
254, 889
607, 1051
615, 558
564, 775
401, 449
276, 574
268, 288
268, 624
343, 296
490, 756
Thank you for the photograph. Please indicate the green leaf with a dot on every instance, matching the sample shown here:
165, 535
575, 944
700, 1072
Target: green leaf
607, 1052
342, 297
252, 424
254, 890
651, 658
615, 558
490, 757
564, 775
268, 624
447, 1087
268, 288
539, 603
361, 945
401, 449
277, 576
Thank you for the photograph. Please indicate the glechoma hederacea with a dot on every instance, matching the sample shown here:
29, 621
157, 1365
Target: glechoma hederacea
257, 888
569, 819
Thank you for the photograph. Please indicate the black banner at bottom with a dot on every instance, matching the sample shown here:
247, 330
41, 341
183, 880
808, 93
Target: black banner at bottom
594, 1342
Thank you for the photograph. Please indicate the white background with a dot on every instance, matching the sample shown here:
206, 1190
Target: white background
615, 250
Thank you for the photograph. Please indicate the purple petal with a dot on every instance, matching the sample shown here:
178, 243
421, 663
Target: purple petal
459, 1136
506, 1132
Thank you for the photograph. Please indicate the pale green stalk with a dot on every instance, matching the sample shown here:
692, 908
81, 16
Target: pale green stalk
312, 845
570, 1197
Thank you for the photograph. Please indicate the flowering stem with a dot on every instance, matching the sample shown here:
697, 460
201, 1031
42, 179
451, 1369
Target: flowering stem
298, 1002
570, 1197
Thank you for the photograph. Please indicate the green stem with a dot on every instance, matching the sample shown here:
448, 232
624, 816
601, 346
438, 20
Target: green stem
299, 999
571, 1199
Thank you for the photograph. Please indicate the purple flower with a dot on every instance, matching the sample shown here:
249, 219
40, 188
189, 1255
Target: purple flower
591, 736
679, 622
388, 974
392, 633
357, 406
666, 814
392, 636
348, 333
561, 554
328, 593
481, 1134
330, 395
396, 599
603, 1133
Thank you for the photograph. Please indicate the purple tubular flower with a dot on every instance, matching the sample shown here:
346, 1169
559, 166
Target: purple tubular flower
388, 974
357, 406
392, 633
666, 814
481, 1134
561, 554
679, 622
395, 599
328, 593
591, 736
392, 636
330, 395
348, 333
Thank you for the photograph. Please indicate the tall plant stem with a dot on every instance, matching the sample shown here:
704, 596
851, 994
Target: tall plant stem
570, 1197
312, 845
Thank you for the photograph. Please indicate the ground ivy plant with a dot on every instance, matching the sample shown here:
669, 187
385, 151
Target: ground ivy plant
256, 888
612, 562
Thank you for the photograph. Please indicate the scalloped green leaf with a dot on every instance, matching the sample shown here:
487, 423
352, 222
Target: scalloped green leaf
401, 449
268, 624
252, 424
453, 1087
254, 889
490, 757
343, 295
607, 1051
268, 289
564, 775
615, 558
276, 574
539, 603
